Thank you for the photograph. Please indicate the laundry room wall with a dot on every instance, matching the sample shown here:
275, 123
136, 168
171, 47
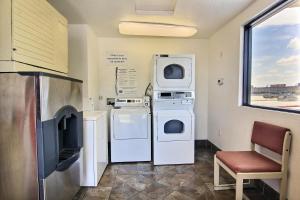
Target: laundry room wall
139, 53
229, 124
83, 62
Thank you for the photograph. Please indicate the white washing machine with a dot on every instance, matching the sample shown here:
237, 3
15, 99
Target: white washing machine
131, 130
173, 128
174, 73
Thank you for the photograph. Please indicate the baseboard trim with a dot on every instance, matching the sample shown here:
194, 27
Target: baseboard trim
206, 144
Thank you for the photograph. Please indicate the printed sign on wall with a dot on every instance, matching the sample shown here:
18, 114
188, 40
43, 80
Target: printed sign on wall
114, 59
126, 81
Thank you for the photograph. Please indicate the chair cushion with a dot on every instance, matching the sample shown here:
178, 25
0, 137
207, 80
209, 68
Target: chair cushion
269, 136
247, 161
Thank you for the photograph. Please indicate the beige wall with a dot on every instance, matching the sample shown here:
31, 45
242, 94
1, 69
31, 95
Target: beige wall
140, 52
93, 70
83, 62
229, 125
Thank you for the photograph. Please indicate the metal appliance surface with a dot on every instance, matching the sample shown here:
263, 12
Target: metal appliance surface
59, 99
60, 185
26, 141
56, 93
18, 149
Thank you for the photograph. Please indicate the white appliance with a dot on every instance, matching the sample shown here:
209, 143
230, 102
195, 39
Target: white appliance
94, 155
174, 73
173, 127
131, 130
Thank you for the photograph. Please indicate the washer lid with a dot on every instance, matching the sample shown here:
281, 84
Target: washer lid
130, 110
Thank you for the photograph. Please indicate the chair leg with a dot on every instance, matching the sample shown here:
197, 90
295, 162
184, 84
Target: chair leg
216, 173
283, 187
239, 189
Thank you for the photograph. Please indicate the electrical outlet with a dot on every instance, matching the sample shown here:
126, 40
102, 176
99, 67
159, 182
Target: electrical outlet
220, 81
110, 101
219, 133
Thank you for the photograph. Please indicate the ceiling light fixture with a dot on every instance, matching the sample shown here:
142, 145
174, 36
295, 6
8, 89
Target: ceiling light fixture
156, 29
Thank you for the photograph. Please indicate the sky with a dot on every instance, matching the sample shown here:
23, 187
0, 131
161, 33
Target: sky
276, 49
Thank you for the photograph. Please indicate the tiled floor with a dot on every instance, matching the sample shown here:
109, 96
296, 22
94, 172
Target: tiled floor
143, 181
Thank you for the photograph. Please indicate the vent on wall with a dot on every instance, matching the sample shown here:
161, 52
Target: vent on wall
155, 7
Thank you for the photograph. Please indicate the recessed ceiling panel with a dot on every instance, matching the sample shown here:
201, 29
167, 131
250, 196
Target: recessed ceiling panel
155, 7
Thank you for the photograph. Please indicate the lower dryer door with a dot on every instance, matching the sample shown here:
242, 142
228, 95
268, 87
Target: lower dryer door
174, 125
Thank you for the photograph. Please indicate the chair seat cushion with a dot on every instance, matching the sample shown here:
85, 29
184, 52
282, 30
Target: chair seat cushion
247, 161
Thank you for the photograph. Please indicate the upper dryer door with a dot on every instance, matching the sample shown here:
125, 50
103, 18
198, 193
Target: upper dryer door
174, 72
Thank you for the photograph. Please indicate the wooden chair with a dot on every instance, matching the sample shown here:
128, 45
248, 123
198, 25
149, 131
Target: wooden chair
254, 165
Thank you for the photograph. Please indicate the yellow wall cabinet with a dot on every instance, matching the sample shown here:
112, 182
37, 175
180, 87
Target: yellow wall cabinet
33, 37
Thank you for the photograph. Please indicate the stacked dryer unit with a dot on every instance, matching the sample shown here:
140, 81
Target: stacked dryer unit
173, 103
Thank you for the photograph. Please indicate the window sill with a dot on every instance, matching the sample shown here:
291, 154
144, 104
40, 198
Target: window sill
272, 109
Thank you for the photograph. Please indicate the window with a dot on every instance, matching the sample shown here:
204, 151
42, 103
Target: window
272, 59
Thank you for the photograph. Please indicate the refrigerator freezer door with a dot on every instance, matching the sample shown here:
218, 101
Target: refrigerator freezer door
18, 142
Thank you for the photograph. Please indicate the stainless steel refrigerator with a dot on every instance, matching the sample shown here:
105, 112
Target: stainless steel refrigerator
40, 136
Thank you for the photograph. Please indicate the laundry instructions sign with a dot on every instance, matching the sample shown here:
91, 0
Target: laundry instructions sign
126, 81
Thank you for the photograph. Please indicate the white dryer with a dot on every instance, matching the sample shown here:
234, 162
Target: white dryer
173, 128
131, 130
174, 73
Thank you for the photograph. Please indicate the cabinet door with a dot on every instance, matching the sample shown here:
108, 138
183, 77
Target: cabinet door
61, 46
61, 43
32, 30
5, 30
39, 35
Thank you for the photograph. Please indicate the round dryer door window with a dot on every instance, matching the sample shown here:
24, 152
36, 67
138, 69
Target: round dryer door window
174, 71
174, 125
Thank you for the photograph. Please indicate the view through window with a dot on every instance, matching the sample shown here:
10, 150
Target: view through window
275, 60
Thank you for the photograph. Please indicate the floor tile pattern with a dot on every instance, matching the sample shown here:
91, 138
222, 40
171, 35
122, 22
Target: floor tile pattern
143, 181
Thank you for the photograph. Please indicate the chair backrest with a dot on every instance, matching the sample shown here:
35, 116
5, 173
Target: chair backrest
269, 136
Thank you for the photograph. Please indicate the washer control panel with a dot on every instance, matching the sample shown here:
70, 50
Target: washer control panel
132, 102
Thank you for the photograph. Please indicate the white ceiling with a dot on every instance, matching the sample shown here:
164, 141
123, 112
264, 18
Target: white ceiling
104, 15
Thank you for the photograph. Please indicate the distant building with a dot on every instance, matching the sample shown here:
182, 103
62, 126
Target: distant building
278, 86
276, 89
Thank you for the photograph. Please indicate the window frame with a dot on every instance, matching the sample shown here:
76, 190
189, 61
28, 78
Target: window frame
247, 54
